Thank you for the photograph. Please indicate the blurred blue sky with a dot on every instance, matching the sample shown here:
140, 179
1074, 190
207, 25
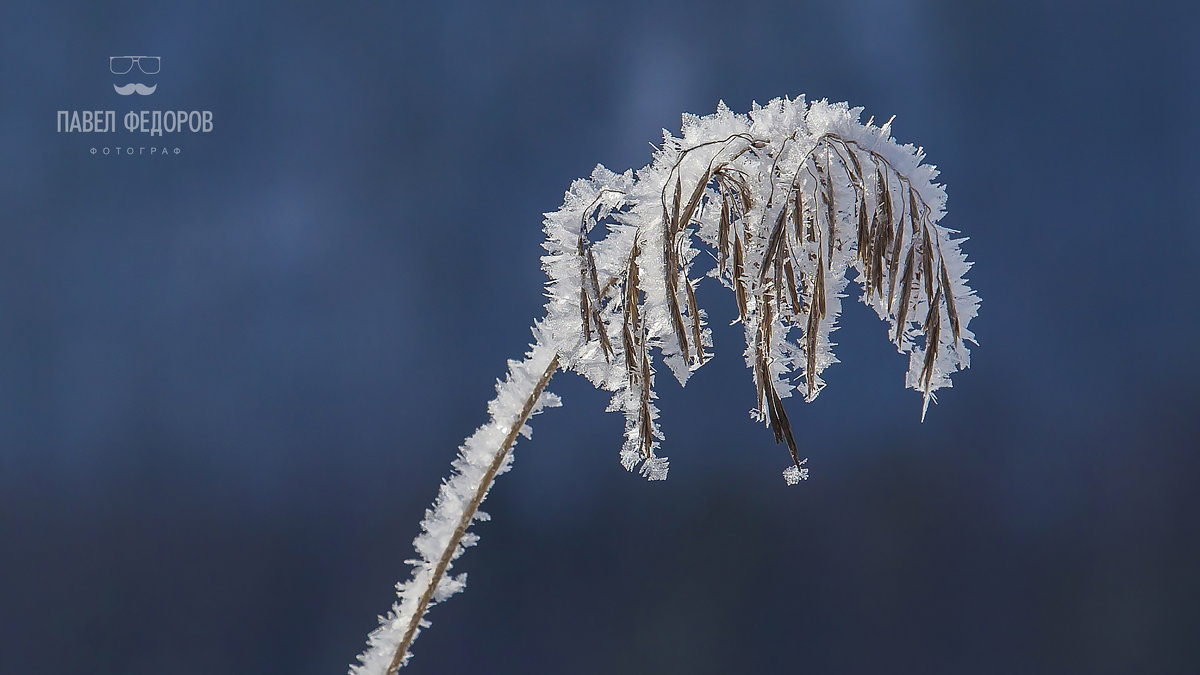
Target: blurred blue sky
230, 379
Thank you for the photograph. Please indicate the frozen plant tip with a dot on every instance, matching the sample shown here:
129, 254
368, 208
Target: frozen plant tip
785, 204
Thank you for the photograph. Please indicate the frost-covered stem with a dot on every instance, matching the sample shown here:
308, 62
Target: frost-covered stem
789, 200
483, 457
468, 515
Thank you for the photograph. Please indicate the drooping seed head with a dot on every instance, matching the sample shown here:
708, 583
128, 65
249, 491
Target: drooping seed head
784, 202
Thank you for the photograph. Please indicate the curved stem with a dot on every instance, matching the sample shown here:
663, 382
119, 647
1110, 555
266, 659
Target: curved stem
468, 515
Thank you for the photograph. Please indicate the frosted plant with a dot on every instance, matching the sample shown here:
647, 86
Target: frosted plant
778, 206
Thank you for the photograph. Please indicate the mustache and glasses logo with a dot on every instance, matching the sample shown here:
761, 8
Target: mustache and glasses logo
123, 65
136, 74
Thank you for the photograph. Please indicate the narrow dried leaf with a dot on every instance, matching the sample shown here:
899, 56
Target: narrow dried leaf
694, 314
779, 422
927, 263
830, 208
647, 423
632, 289
798, 211
951, 310
906, 284
774, 242
677, 323
933, 328
738, 278
671, 274
864, 233
585, 313
760, 365
631, 366
766, 400
789, 275
594, 306
819, 290
777, 282
685, 218
880, 247
914, 214
810, 373
894, 262
723, 236
673, 225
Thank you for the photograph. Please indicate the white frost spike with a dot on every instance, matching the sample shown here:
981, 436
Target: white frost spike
794, 474
655, 468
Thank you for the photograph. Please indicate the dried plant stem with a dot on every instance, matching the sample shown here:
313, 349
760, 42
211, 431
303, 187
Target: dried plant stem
485, 484
788, 200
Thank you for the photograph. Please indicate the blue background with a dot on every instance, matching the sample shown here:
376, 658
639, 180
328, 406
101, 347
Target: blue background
231, 379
